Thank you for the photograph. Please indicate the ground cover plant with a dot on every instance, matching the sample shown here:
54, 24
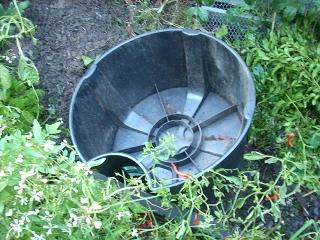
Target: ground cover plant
46, 194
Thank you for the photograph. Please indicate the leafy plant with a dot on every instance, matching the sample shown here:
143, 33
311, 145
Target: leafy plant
18, 97
46, 194
286, 70
200, 13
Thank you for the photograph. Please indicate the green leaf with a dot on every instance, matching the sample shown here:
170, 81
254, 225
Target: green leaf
97, 162
234, 179
53, 128
271, 160
72, 156
250, 2
3, 185
240, 202
181, 231
86, 60
5, 77
290, 12
1, 204
208, 2
265, 44
254, 156
190, 12
202, 15
258, 71
315, 140
27, 71
23, 5
262, 55
222, 32
1, 10
37, 132
27, 116
261, 214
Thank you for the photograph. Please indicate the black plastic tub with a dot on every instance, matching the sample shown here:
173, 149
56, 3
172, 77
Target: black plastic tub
178, 81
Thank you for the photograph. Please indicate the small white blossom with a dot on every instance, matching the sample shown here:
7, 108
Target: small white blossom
24, 174
82, 166
16, 226
44, 180
36, 195
73, 216
97, 224
9, 168
79, 166
19, 158
48, 216
20, 187
50, 227
9, 213
48, 146
134, 233
89, 220
25, 217
37, 237
28, 144
84, 200
66, 230
29, 136
122, 214
23, 200
2, 174
96, 206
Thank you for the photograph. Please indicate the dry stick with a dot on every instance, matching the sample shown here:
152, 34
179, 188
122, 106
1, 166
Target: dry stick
273, 20
273, 23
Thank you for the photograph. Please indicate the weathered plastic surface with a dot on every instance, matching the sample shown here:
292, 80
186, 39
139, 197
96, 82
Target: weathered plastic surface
180, 81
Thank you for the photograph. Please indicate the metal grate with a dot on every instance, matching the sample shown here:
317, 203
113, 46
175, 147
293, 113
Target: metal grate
217, 17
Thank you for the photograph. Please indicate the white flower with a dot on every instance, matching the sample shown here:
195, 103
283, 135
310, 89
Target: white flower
95, 206
73, 216
89, 220
37, 237
44, 180
97, 224
36, 195
9, 168
19, 158
74, 180
66, 230
48, 216
16, 226
25, 217
25, 175
20, 187
50, 227
29, 136
9, 213
127, 213
84, 200
122, 214
2, 174
28, 144
119, 215
82, 166
48, 146
134, 233
23, 200
79, 166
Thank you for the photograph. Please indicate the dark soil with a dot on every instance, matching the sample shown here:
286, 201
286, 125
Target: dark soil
69, 29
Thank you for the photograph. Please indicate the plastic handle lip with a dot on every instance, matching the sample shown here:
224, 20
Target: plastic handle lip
191, 32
